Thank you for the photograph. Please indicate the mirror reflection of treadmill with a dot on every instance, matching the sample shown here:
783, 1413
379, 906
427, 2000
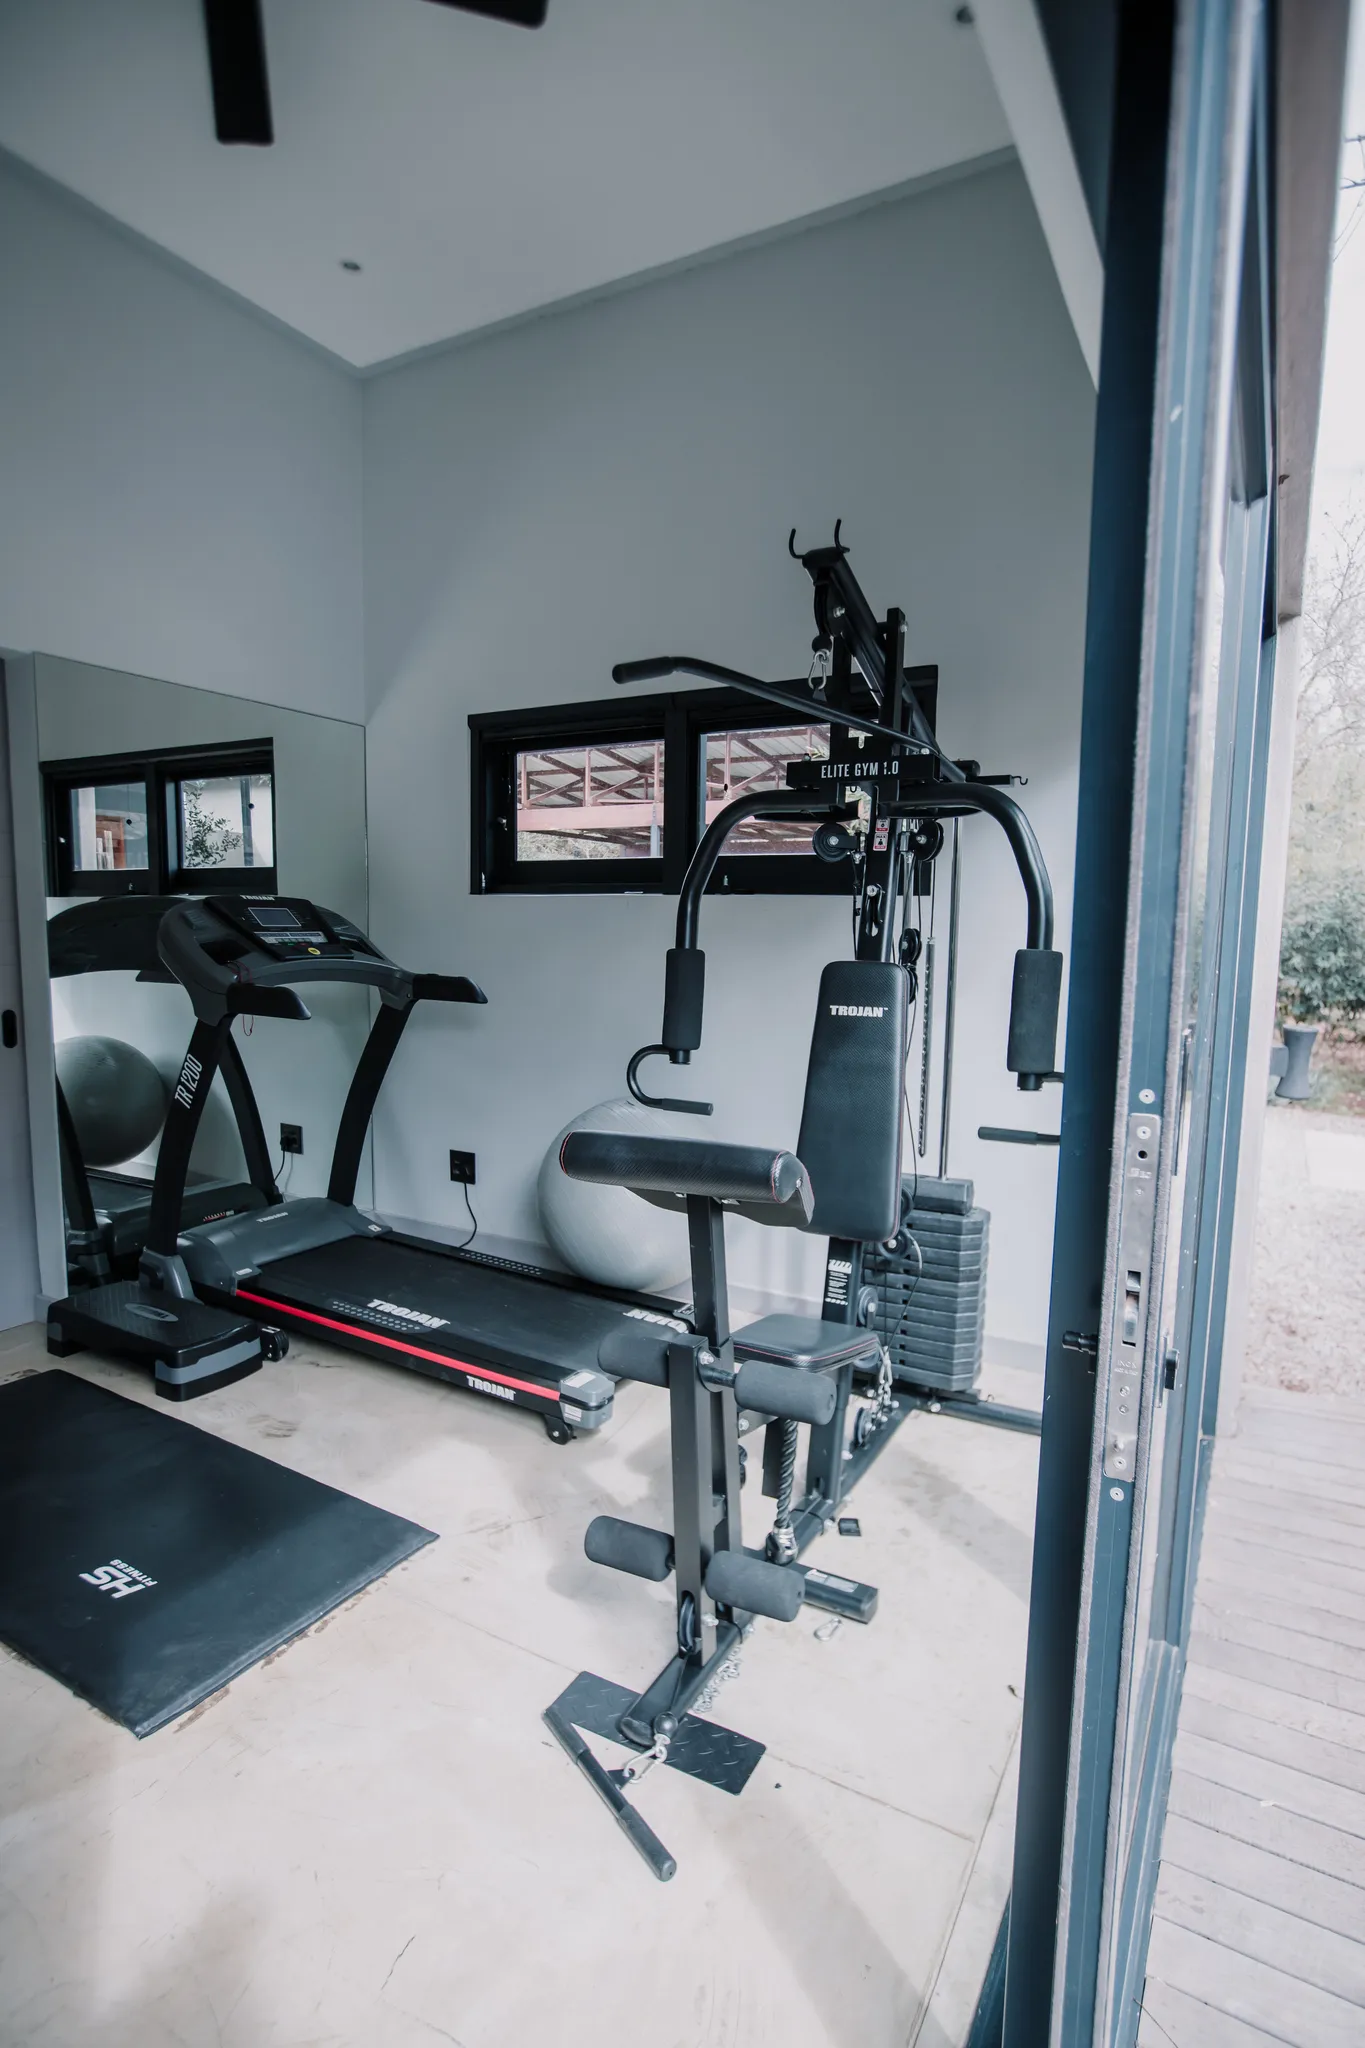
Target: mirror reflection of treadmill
107, 1209
321, 1267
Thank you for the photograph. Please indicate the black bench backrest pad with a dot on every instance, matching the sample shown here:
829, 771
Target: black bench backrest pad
850, 1141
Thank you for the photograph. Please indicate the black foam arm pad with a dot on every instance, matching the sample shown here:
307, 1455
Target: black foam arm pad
1034, 1003
684, 997
786, 1390
629, 1547
635, 1354
690, 1166
737, 1580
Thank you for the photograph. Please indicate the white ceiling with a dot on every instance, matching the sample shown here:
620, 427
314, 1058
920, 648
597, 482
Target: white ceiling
476, 170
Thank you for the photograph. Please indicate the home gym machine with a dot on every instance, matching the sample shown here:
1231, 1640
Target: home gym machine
878, 801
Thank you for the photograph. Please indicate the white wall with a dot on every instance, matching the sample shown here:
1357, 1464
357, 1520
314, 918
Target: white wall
619, 480
180, 484
180, 496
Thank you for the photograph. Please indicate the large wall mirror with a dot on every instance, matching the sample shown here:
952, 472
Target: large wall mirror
151, 790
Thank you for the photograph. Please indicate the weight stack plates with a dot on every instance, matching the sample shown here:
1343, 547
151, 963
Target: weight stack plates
931, 1286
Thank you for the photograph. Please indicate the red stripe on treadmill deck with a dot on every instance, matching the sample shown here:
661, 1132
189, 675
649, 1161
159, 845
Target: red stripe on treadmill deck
480, 1372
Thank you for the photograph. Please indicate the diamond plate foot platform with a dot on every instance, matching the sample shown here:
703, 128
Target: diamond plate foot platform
702, 1749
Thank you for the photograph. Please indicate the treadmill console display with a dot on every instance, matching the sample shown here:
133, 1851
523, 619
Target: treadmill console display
292, 928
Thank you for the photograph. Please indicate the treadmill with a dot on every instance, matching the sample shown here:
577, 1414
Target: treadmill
319, 1266
107, 1212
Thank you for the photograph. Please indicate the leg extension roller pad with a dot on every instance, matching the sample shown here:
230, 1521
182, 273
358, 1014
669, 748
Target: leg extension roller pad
786, 1390
629, 1547
754, 1586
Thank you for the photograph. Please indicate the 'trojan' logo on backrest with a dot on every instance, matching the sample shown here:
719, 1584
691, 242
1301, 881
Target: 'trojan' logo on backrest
857, 1009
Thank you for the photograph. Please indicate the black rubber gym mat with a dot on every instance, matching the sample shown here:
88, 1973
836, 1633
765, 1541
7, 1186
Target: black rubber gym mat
145, 1562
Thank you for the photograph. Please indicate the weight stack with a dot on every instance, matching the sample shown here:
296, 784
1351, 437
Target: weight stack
931, 1286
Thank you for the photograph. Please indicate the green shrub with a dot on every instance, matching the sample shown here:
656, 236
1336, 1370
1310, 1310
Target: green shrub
1322, 956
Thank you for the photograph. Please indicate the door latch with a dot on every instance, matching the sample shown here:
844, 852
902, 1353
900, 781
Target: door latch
1137, 1229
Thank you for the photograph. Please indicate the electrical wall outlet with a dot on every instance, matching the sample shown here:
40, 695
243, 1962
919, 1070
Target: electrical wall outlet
291, 1137
462, 1167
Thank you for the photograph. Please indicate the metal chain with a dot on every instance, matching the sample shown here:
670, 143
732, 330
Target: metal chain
722, 1675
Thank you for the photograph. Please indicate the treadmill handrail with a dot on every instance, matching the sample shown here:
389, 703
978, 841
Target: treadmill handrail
111, 934
373, 1064
927, 799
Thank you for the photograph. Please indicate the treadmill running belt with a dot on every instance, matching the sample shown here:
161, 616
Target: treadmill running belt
433, 1305
145, 1563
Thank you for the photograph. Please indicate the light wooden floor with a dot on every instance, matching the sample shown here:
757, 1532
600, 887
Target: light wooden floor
1259, 1934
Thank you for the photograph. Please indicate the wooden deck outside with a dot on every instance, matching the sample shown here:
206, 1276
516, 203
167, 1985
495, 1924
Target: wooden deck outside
1259, 1931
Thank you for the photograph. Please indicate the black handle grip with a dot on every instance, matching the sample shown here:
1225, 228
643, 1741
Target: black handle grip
650, 670
446, 988
684, 997
786, 1390
1034, 1002
637, 1831
245, 999
1001, 1136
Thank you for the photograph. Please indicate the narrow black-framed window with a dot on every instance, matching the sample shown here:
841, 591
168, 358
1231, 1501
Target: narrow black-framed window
611, 796
569, 800
162, 822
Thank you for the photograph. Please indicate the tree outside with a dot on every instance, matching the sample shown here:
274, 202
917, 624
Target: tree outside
1322, 954
1307, 1285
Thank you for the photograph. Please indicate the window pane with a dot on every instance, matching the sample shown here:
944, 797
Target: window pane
599, 802
227, 821
109, 827
756, 758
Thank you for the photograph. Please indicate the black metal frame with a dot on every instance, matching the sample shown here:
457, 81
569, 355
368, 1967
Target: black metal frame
160, 770
682, 720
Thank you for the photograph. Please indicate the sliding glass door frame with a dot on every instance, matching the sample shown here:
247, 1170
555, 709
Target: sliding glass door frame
1173, 767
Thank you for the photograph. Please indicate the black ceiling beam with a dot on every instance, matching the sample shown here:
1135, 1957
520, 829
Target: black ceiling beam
525, 13
237, 71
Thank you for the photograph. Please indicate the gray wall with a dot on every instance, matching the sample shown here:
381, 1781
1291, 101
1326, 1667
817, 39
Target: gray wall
180, 483
620, 480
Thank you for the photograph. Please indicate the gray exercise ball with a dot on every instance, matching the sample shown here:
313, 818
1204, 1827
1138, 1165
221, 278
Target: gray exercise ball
609, 1234
116, 1097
